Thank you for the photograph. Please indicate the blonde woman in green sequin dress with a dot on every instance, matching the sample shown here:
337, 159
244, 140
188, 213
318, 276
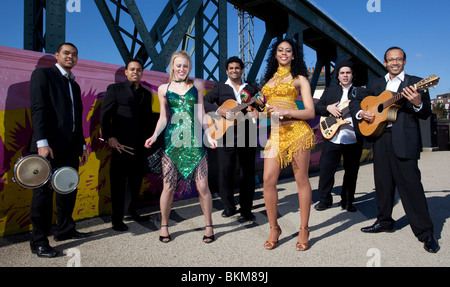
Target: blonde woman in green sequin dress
183, 160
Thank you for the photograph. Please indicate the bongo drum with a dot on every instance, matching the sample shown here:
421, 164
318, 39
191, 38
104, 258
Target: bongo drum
65, 180
32, 171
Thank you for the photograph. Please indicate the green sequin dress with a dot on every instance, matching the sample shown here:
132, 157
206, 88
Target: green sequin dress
183, 159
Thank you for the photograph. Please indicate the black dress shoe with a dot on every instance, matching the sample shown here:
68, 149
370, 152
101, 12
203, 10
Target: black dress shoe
321, 206
431, 244
73, 235
44, 251
248, 216
349, 207
134, 216
376, 228
79, 235
119, 226
228, 212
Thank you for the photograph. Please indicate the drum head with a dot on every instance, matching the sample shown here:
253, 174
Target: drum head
65, 180
32, 171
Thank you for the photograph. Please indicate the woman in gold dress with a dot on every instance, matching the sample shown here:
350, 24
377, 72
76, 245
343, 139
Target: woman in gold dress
291, 138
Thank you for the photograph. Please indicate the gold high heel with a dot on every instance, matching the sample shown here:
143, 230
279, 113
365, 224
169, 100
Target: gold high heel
302, 246
271, 245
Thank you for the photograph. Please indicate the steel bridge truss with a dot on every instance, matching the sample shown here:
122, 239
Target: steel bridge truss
200, 27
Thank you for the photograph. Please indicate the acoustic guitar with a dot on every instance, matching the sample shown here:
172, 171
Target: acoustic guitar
385, 107
330, 125
218, 125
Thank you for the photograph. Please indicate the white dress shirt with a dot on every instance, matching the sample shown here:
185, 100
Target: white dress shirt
237, 94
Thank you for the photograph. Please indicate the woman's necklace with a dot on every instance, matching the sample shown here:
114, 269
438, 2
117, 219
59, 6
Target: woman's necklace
180, 81
282, 72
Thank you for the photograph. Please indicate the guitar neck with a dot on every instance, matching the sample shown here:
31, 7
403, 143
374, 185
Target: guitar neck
422, 85
242, 106
395, 98
344, 111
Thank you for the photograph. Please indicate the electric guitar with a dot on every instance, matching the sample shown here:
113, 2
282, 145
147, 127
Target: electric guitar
385, 107
218, 125
330, 125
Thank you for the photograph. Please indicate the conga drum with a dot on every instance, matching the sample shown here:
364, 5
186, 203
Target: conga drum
65, 180
32, 171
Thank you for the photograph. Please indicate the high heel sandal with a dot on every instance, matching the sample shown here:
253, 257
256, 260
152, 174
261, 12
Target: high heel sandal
163, 239
302, 246
209, 238
271, 245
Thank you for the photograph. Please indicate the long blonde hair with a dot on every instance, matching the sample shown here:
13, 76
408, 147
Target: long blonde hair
182, 54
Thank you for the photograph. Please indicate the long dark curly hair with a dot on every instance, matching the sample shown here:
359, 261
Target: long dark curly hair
298, 66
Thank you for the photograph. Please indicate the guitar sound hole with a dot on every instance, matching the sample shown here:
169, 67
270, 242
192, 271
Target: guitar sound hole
380, 108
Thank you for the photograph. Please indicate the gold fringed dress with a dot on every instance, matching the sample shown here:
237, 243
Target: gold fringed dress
285, 141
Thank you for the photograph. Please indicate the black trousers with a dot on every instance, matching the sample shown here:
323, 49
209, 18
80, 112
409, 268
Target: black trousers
126, 175
227, 157
41, 210
392, 172
329, 162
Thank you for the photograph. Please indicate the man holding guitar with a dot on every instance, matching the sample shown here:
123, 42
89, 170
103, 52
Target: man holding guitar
233, 146
396, 152
343, 140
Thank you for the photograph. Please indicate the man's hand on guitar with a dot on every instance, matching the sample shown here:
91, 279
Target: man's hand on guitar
412, 95
367, 116
334, 110
226, 113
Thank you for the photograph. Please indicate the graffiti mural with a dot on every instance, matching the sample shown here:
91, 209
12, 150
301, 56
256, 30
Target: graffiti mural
93, 197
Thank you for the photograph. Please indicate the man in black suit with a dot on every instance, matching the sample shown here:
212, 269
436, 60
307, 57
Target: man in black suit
56, 113
126, 122
397, 151
346, 143
233, 148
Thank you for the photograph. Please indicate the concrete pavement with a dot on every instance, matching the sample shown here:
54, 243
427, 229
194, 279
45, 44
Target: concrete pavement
335, 239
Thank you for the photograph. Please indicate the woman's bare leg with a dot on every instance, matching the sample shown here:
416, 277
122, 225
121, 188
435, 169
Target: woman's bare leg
300, 166
270, 176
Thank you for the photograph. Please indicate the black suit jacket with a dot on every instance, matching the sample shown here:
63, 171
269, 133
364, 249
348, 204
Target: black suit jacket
51, 110
333, 94
406, 138
126, 115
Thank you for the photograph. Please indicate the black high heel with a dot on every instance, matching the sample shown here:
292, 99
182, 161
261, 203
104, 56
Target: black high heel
209, 238
163, 238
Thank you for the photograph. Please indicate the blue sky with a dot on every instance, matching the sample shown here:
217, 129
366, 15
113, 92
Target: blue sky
420, 27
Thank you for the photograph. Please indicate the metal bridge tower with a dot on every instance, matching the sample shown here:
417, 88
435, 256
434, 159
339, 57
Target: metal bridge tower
246, 29
180, 23
40, 35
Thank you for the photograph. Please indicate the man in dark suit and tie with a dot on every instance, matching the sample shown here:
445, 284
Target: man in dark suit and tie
397, 151
126, 122
56, 113
346, 143
233, 149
